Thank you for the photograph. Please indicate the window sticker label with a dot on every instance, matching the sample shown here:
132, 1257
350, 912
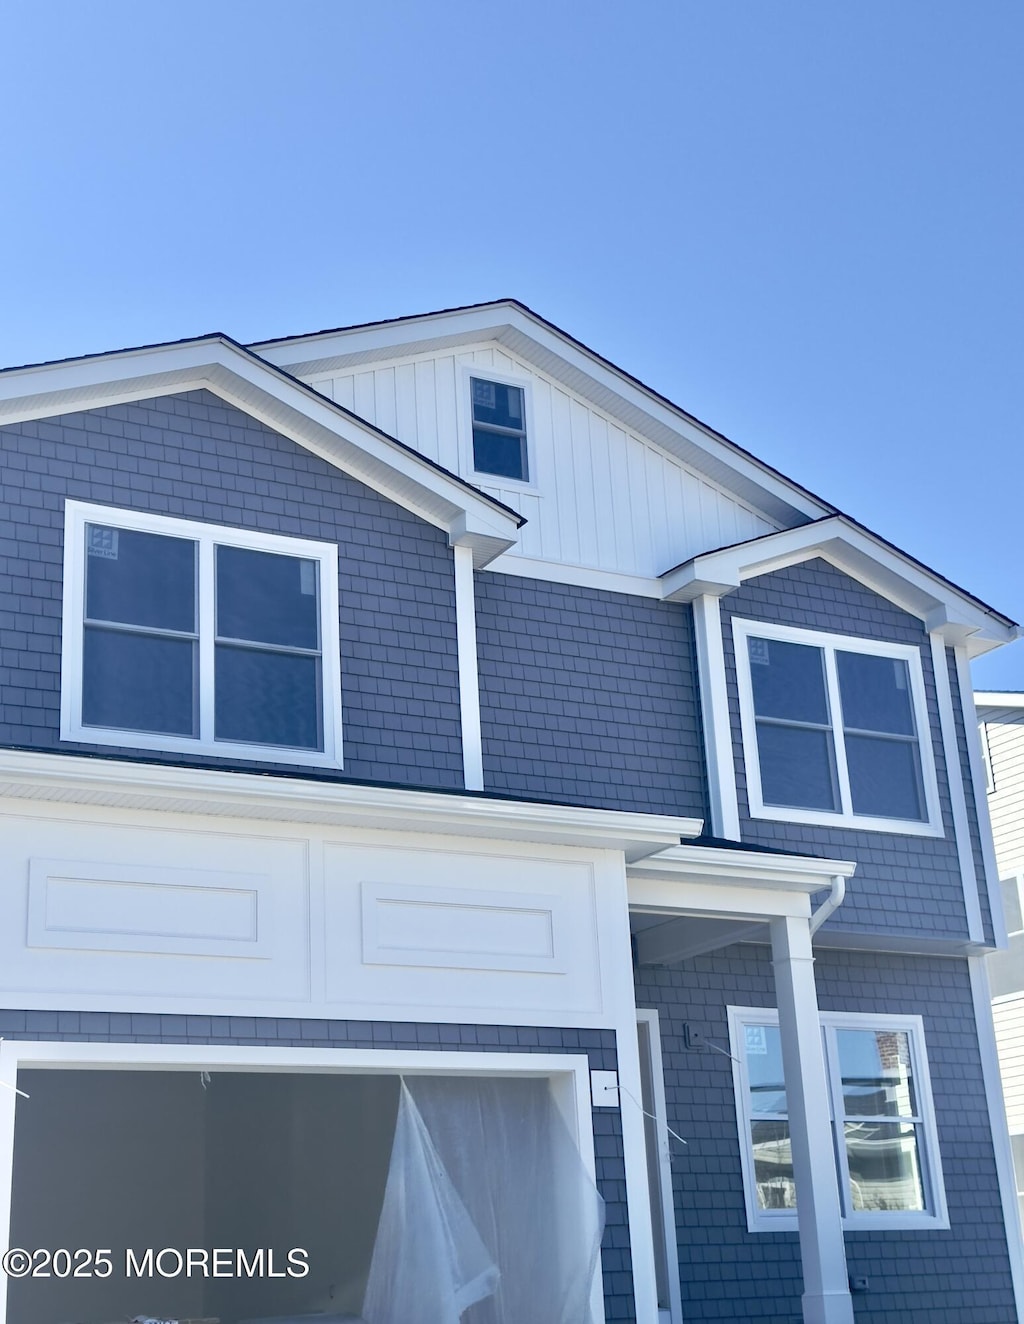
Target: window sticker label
101, 542
759, 652
485, 394
756, 1041
307, 578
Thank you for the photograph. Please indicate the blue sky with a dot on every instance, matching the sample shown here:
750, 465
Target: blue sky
801, 221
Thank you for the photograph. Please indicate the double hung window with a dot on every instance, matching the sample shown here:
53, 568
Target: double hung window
184, 636
499, 429
883, 1123
835, 729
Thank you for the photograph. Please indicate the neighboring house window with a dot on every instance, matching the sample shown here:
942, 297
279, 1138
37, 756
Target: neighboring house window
883, 1123
1013, 910
499, 429
183, 636
835, 730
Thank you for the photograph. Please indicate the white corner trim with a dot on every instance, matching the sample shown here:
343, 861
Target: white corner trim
957, 795
830, 644
69, 778
982, 998
979, 787
469, 676
714, 702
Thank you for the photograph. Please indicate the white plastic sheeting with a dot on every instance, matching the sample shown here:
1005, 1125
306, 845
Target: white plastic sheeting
489, 1215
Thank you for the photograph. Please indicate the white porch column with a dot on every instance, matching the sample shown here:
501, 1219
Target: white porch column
826, 1298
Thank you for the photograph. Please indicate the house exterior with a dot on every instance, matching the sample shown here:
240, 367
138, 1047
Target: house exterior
432, 702
1001, 719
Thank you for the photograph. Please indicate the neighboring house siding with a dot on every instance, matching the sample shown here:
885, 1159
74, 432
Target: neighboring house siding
918, 1277
904, 885
588, 697
276, 1032
1008, 1017
1004, 731
604, 497
194, 456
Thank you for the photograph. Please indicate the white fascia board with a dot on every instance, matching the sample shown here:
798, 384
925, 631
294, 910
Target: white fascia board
26, 775
998, 699
260, 390
576, 367
742, 868
957, 617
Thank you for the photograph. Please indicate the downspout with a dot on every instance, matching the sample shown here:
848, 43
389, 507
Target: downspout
829, 907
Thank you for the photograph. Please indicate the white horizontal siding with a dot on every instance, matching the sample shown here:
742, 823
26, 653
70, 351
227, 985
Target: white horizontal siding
1003, 731
603, 497
1008, 1017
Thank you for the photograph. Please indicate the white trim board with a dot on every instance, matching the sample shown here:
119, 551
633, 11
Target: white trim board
280, 402
68, 778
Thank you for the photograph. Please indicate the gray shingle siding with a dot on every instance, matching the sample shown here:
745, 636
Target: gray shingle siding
917, 1277
281, 1032
196, 457
904, 884
972, 804
588, 697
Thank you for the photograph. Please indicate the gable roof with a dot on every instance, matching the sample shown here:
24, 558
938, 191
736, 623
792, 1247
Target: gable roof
942, 605
279, 400
578, 367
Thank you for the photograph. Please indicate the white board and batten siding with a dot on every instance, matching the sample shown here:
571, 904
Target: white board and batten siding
1003, 735
120, 910
600, 496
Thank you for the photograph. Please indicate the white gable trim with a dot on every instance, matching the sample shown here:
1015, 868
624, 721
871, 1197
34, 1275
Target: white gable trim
945, 610
470, 518
575, 366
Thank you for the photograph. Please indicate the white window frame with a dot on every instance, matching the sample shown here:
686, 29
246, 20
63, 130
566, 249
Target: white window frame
77, 515
830, 644
465, 417
935, 1215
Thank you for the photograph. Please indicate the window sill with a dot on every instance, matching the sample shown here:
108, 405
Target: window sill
853, 822
217, 749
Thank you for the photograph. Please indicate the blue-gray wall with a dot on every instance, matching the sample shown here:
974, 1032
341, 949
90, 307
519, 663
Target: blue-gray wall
588, 697
196, 457
904, 885
917, 1277
280, 1032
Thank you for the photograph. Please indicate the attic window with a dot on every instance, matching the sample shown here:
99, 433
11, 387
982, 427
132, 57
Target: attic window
499, 429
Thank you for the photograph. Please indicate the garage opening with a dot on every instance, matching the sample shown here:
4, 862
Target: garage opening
259, 1197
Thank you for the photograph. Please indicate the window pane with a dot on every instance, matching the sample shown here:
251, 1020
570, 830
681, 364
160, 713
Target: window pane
140, 578
763, 1053
796, 766
876, 1072
1011, 905
773, 1165
138, 682
885, 1167
875, 692
788, 681
885, 777
497, 404
268, 598
267, 698
498, 453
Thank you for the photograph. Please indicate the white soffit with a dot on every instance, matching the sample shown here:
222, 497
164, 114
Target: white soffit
470, 518
578, 368
998, 699
70, 779
958, 617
